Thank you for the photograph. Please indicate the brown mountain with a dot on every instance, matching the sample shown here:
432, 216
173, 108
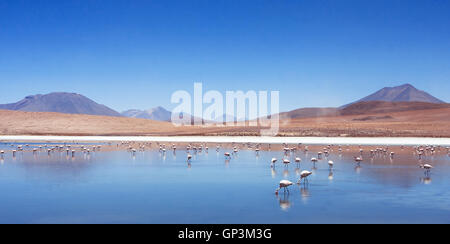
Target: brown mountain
158, 113
310, 113
60, 102
389, 99
361, 108
375, 107
403, 93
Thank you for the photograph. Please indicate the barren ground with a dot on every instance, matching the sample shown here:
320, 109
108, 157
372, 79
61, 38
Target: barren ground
418, 123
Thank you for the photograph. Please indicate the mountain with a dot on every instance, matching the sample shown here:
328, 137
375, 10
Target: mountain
403, 93
361, 108
60, 102
377, 107
389, 99
158, 113
310, 113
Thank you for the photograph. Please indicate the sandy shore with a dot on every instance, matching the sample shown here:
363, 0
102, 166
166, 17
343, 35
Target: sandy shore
393, 141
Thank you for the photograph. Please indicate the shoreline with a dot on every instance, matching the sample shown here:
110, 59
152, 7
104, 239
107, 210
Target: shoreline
367, 141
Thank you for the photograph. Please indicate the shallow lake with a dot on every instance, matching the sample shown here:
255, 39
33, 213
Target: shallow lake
153, 187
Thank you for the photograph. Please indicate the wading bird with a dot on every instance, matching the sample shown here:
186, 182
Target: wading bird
427, 168
314, 160
304, 175
331, 164
274, 160
284, 184
298, 160
358, 159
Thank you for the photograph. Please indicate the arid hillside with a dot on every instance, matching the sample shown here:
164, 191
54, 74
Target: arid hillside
46, 123
370, 107
420, 122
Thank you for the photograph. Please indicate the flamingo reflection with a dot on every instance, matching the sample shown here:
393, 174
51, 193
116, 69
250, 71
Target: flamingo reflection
285, 204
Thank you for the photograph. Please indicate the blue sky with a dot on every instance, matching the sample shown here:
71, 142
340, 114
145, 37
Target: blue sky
135, 54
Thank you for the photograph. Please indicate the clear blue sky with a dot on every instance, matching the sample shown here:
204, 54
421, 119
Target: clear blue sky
134, 54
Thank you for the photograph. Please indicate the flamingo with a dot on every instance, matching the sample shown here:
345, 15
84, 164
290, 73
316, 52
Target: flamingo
304, 175
274, 160
330, 163
227, 155
286, 162
284, 184
358, 160
319, 154
427, 168
189, 157
420, 155
298, 160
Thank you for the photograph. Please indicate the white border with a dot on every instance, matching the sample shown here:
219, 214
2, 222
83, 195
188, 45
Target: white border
406, 141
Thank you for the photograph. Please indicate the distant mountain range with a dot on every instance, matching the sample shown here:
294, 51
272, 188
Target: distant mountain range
60, 102
158, 113
389, 99
360, 108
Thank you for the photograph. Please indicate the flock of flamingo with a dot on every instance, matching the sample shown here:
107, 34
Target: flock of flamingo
420, 151
69, 149
284, 184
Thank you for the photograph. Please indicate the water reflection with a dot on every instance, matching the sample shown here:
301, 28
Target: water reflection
107, 182
426, 180
285, 204
330, 175
273, 172
304, 193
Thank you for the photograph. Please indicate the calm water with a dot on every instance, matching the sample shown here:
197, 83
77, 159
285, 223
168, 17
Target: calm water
114, 187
